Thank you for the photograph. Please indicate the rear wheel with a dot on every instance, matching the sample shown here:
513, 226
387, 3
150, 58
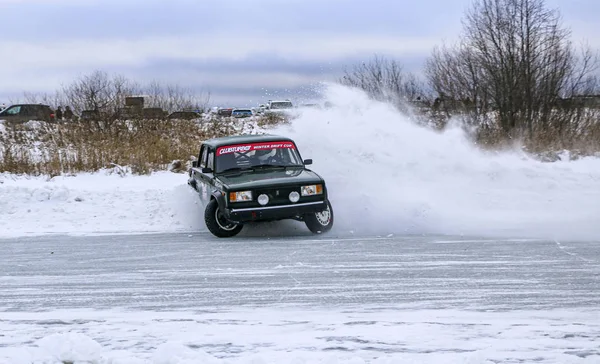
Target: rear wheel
320, 222
217, 224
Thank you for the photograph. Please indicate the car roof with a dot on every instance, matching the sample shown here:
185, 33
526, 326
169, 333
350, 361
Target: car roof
245, 138
44, 105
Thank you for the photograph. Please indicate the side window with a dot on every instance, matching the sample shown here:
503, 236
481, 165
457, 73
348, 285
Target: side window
200, 155
203, 156
12, 111
211, 159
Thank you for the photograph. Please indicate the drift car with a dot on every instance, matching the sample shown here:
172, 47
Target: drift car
250, 178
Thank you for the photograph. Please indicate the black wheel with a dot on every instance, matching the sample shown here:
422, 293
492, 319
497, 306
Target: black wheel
217, 224
320, 222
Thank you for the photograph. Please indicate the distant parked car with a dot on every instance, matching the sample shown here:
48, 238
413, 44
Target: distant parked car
224, 112
23, 113
185, 115
279, 105
154, 113
283, 108
241, 113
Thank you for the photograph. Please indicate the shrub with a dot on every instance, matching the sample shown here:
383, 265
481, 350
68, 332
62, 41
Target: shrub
143, 145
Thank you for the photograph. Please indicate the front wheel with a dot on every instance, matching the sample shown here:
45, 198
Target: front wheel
217, 224
320, 222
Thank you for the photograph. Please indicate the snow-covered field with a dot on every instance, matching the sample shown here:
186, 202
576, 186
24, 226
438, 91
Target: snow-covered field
388, 178
304, 336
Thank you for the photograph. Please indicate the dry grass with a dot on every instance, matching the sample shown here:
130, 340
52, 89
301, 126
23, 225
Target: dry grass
142, 145
578, 133
272, 119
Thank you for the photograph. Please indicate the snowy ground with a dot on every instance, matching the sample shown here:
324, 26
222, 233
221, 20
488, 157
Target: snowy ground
102, 202
169, 298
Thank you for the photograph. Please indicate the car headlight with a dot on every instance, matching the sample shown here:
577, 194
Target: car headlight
311, 190
240, 196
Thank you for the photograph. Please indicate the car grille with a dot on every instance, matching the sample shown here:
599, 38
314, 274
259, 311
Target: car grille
275, 198
277, 195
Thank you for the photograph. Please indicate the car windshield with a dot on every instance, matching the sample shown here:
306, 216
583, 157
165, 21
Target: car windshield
255, 155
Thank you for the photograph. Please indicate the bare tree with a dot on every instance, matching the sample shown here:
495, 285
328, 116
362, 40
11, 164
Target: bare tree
516, 58
455, 76
175, 98
384, 80
99, 91
583, 79
52, 100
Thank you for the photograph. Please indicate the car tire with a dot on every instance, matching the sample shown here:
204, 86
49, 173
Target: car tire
216, 224
320, 222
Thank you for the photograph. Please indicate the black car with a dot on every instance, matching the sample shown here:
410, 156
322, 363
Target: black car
184, 115
22, 113
250, 178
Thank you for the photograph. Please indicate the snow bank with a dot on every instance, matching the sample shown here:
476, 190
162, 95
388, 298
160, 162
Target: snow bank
101, 202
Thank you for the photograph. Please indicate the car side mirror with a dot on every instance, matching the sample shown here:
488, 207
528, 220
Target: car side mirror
307, 162
194, 164
207, 170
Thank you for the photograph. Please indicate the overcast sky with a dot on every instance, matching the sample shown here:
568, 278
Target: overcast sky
242, 51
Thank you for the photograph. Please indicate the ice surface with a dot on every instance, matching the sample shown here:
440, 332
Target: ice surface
176, 298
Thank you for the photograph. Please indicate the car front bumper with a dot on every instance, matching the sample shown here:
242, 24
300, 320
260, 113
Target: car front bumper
249, 214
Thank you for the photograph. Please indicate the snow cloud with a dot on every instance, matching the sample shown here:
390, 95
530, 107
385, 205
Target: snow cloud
234, 48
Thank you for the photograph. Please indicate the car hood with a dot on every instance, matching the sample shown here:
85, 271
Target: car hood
269, 178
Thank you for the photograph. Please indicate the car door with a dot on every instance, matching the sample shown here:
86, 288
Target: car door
199, 177
32, 113
209, 177
29, 112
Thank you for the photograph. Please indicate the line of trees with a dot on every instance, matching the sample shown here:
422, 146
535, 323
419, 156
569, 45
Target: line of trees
514, 60
106, 93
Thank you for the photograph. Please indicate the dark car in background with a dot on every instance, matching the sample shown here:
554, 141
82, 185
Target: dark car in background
184, 115
22, 113
224, 112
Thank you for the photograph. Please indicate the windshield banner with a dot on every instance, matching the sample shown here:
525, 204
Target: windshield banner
244, 148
